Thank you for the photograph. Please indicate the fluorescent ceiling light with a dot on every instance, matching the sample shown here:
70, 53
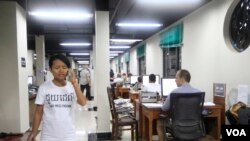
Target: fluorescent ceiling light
139, 24
83, 62
75, 44
76, 58
113, 54
83, 54
119, 47
61, 15
125, 40
168, 1
116, 51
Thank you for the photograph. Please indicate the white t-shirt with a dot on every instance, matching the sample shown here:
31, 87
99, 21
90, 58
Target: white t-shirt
84, 77
58, 113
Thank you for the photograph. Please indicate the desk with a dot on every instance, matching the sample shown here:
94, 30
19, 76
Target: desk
138, 116
133, 95
123, 90
214, 120
150, 114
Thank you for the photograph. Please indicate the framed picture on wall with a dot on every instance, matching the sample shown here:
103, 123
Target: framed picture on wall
219, 89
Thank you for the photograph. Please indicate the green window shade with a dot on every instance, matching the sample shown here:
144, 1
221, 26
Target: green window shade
140, 51
126, 57
172, 37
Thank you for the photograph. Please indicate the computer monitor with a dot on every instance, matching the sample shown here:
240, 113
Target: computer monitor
133, 79
145, 79
167, 86
30, 80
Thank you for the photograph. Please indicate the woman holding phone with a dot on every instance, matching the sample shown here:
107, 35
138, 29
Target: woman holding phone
55, 103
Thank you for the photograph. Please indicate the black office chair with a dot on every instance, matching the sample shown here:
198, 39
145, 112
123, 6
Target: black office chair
186, 121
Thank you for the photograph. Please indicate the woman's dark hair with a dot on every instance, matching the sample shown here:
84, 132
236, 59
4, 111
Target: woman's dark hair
60, 57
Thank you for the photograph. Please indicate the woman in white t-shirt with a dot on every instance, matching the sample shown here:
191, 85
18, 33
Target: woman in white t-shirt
55, 103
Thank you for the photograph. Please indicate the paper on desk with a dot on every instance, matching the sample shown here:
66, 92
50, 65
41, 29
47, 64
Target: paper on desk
242, 93
153, 105
208, 104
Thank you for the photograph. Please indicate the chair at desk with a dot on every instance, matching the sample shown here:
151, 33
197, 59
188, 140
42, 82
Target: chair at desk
121, 121
186, 116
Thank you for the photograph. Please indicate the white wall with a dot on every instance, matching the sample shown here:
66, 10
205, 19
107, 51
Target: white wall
102, 68
133, 62
207, 54
206, 51
30, 63
154, 56
14, 108
113, 66
123, 64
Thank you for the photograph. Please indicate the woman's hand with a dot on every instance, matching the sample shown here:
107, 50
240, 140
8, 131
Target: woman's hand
72, 75
31, 137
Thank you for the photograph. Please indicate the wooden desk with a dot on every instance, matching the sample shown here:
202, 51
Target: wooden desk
148, 116
123, 90
213, 120
138, 116
133, 95
151, 114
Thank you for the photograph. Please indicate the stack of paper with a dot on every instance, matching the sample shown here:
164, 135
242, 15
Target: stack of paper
208, 104
153, 105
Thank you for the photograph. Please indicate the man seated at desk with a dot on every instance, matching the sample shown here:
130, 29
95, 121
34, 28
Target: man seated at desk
138, 85
152, 86
182, 80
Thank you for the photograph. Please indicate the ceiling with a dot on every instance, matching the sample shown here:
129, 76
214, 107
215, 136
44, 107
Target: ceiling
56, 32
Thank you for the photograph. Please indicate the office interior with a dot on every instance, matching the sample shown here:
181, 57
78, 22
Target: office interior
205, 49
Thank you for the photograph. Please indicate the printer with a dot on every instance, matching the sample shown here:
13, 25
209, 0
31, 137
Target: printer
148, 97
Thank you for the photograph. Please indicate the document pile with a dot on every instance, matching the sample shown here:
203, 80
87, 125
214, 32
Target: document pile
123, 105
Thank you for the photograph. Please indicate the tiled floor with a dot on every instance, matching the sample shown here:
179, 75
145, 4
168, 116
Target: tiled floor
85, 124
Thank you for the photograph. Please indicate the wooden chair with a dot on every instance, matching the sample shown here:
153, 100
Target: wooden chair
121, 121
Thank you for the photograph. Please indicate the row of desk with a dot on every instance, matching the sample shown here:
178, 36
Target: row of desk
147, 116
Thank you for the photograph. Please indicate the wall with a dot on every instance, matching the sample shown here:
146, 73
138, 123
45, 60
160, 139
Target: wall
14, 109
207, 54
206, 51
154, 56
133, 62
30, 63
123, 64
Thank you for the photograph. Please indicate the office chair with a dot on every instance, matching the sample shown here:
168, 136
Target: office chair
185, 116
121, 121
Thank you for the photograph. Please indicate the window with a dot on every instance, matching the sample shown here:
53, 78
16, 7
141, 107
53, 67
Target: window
171, 61
142, 65
128, 70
